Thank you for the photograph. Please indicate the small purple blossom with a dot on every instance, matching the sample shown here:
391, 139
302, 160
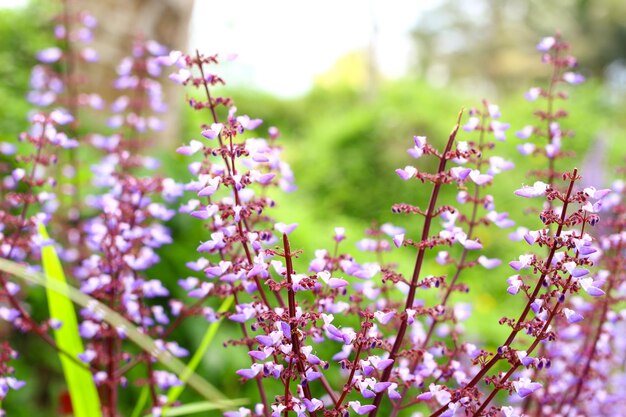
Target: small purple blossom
49, 55
537, 189
407, 173
546, 44
524, 387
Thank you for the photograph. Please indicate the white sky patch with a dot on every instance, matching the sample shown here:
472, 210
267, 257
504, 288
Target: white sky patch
281, 44
12, 4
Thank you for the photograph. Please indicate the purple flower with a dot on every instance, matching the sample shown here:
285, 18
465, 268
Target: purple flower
247, 123
523, 262
332, 282
526, 149
7, 148
273, 339
515, 282
61, 117
313, 404
243, 412
198, 265
8, 314
273, 132
346, 335
361, 409
142, 260
193, 147
244, 312
500, 219
467, 243
154, 288
9, 383
174, 57
201, 292
376, 363
526, 360
213, 132
573, 78
407, 173
533, 94
49, 55
180, 77
285, 228
478, 178
17, 174
210, 187
188, 283
471, 124
494, 111
425, 396
206, 212
89, 55
166, 380
263, 179
340, 234
221, 268
546, 44
384, 317
525, 387
12, 288
597, 194
537, 189
498, 164
525, 133
575, 272
531, 236
489, 263
498, 129
472, 244
391, 230
572, 316
418, 150
88, 329
460, 173
587, 284
442, 257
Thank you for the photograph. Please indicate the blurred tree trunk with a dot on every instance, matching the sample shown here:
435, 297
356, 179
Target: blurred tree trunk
119, 23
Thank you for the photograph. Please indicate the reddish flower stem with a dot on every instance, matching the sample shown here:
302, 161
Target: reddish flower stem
347, 386
295, 340
13, 301
259, 381
533, 345
428, 218
72, 104
457, 273
596, 338
232, 171
531, 299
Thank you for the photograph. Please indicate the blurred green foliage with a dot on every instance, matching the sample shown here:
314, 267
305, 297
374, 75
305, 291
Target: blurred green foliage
19, 41
344, 146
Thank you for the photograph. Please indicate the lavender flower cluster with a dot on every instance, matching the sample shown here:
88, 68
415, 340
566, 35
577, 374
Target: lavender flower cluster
398, 341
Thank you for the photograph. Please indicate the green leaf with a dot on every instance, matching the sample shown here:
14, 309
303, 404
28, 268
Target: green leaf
114, 319
80, 384
141, 402
211, 331
187, 409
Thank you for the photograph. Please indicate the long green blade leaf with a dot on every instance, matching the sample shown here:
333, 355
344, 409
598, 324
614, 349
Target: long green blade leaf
141, 402
80, 384
188, 409
113, 318
199, 354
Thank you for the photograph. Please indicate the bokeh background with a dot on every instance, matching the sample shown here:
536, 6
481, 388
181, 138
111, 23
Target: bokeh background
348, 83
